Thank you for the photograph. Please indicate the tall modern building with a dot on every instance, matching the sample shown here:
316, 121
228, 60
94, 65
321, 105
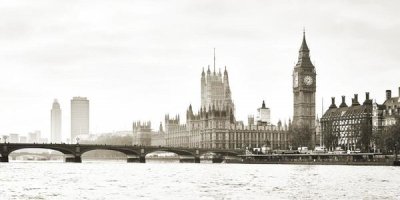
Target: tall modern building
56, 122
304, 88
79, 117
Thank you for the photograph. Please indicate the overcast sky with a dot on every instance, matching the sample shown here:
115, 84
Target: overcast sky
138, 60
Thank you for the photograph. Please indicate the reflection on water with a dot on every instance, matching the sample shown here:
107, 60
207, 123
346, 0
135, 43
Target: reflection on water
120, 180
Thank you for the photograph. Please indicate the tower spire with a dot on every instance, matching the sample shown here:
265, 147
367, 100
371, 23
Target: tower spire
304, 47
214, 60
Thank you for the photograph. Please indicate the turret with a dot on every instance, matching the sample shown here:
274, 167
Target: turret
189, 114
160, 129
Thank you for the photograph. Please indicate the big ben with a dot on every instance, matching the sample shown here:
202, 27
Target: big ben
304, 88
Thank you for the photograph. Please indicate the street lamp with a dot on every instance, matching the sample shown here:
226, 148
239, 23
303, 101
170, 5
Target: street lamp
5, 138
77, 140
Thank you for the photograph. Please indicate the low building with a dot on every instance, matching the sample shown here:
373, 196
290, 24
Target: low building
144, 135
14, 138
23, 139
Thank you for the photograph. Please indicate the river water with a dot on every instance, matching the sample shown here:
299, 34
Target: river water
121, 180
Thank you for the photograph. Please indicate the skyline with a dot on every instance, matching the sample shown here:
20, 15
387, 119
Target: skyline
130, 74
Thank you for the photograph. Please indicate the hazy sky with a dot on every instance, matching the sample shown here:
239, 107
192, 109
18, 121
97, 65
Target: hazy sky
138, 60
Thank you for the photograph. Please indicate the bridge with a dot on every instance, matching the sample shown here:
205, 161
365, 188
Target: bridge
73, 152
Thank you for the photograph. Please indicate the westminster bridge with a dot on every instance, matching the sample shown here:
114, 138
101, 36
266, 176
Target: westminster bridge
73, 152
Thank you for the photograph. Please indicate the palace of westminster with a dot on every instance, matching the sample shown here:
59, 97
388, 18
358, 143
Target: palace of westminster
215, 124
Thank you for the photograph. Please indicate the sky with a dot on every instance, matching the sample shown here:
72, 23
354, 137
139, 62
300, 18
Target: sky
139, 60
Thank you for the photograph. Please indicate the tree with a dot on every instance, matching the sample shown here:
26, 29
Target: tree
365, 136
300, 136
329, 136
391, 137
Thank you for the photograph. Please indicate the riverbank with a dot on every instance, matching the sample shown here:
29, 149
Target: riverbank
366, 159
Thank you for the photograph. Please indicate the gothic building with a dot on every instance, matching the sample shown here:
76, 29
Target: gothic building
215, 90
304, 88
386, 114
214, 125
144, 135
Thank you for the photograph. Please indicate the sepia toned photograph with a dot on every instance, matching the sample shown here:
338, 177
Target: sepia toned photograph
199, 99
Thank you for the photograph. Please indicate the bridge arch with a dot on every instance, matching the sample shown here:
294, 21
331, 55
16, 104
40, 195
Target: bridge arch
125, 151
171, 150
64, 150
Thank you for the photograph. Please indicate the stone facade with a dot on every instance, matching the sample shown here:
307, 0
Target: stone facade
215, 125
142, 134
215, 129
386, 114
304, 88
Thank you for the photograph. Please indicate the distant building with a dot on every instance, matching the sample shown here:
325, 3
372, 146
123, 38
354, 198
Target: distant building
34, 137
14, 138
144, 135
55, 122
158, 138
79, 117
386, 114
342, 126
215, 125
23, 139
141, 133
264, 115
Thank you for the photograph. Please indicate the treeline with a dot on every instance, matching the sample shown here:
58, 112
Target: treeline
389, 140
367, 140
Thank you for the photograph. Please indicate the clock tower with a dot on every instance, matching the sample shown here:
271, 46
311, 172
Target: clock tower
304, 87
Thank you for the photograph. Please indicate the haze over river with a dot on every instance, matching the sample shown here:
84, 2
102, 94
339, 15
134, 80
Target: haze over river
121, 180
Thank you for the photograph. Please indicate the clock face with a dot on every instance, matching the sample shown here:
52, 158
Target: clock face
308, 80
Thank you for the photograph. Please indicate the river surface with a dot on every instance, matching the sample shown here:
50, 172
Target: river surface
121, 180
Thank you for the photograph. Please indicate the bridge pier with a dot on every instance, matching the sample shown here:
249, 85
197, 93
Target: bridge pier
4, 158
217, 159
197, 159
132, 160
186, 159
142, 159
135, 159
74, 159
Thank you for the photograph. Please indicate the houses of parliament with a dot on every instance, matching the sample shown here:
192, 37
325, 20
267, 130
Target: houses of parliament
214, 124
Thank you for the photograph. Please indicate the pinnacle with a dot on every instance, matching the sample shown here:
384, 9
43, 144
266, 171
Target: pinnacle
304, 47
